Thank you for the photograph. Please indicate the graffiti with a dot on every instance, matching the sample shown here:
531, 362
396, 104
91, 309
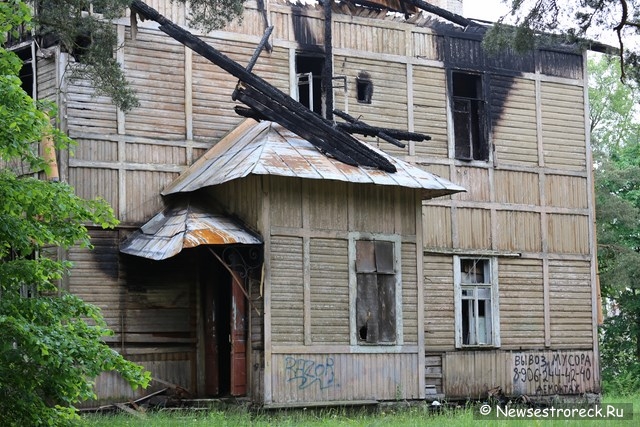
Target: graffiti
553, 373
309, 372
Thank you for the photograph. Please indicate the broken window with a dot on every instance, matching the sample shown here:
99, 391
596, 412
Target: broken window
364, 87
309, 81
476, 302
469, 117
376, 292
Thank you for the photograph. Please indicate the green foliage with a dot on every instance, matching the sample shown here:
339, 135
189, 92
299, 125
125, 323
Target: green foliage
91, 37
50, 341
615, 130
537, 22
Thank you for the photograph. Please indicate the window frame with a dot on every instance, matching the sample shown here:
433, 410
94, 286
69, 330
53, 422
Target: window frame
353, 288
491, 268
480, 150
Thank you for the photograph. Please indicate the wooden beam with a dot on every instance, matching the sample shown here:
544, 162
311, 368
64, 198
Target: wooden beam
292, 115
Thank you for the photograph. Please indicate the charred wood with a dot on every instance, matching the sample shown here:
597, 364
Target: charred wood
273, 103
390, 135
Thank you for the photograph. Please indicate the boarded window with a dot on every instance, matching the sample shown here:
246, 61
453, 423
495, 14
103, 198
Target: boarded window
469, 117
477, 309
376, 292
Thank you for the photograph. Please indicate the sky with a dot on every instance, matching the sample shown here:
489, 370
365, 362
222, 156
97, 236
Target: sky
489, 10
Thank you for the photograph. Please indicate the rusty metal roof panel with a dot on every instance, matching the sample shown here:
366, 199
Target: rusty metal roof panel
182, 226
266, 148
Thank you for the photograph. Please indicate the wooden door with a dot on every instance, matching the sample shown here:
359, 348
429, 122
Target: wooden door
238, 338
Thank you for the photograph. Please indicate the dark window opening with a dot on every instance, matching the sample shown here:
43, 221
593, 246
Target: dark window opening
376, 292
26, 72
364, 87
469, 117
309, 78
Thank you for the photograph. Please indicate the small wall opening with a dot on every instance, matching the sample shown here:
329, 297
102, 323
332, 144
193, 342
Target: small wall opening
364, 88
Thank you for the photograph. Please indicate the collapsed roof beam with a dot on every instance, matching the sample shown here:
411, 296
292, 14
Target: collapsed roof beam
273, 103
443, 13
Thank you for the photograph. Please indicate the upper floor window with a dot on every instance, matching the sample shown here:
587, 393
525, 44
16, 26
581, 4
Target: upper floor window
476, 302
376, 267
309, 81
469, 117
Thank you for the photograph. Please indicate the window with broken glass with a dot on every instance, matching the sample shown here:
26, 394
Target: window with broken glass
376, 292
476, 305
469, 117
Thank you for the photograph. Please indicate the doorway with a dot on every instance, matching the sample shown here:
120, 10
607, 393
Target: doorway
224, 320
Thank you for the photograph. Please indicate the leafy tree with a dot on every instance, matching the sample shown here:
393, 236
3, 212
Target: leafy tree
615, 22
615, 130
91, 38
50, 341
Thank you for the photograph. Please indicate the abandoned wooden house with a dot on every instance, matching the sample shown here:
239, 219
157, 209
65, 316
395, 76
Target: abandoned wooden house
282, 260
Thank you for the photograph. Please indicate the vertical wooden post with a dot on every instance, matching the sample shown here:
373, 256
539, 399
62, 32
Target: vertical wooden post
327, 71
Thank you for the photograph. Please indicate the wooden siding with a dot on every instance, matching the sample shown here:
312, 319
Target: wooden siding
87, 112
563, 131
427, 45
520, 285
90, 183
287, 302
329, 297
145, 303
213, 114
568, 233
96, 150
475, 181
154, 64
438, 303
409, 293
326, 377
566, 191
248, 207
285, 202
327, 205
144, 201
436, 226
570, 304
519, 231
376, 209
533, 373
388, 106
513, 110
360, 36
519, 188
47, 80
430, 110
433, 374
474, 228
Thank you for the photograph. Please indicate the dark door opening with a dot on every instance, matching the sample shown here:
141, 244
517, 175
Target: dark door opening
225, 329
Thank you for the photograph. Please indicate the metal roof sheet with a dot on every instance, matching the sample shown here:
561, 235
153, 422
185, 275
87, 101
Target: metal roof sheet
182, 226
266, 148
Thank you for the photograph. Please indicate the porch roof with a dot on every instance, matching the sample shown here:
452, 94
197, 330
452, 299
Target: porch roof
266, 148
185, 225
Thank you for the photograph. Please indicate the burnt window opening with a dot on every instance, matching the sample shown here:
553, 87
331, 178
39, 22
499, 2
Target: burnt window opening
475, 290
26, 72
376, 292
469, 117
309, 82
364, 87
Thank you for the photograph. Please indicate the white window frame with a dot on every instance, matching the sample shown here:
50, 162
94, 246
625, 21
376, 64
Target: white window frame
353, 289
459, 285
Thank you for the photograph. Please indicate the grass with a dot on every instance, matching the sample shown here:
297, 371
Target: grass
382, 417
